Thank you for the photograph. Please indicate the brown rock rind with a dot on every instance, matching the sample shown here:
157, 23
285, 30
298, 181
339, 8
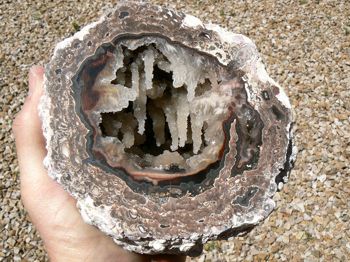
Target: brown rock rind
142, 217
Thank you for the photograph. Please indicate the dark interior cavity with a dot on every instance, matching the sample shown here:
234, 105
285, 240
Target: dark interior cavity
248, 126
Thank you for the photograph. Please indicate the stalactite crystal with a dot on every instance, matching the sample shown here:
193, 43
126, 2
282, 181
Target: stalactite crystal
168, 132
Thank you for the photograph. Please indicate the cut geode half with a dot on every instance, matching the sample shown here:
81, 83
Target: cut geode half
167, 131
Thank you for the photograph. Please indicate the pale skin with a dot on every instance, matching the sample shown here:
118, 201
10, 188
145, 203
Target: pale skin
52, 210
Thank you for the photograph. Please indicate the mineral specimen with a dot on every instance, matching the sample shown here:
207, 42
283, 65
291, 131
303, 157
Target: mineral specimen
167, 131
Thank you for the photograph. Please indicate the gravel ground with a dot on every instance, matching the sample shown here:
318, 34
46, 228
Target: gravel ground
306, 46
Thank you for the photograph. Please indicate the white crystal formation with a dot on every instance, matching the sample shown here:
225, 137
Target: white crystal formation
190, 118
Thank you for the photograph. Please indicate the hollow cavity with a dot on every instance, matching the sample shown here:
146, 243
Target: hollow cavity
159, 108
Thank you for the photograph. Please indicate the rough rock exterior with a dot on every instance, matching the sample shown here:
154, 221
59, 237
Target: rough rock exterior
142, 200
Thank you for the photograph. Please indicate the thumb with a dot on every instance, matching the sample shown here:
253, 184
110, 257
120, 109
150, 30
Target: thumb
30, 143
27, 126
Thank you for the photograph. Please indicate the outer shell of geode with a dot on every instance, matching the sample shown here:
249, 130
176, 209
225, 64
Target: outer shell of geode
168, 132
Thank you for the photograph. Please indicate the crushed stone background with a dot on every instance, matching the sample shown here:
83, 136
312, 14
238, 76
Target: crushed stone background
306, 47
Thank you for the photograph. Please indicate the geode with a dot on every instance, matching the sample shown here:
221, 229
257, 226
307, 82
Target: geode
168, 132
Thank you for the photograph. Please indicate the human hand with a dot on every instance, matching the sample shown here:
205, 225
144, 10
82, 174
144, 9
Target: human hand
52, 210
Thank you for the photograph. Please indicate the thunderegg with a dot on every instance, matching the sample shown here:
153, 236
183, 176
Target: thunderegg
167, 131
